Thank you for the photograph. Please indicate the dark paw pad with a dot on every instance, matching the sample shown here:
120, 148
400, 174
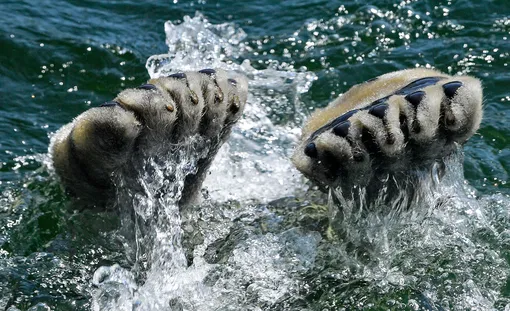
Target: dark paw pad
342, 129
451, 88
415, 98
311, 150
147, 86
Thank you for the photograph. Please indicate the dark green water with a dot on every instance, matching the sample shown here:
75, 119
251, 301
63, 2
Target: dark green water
58, 58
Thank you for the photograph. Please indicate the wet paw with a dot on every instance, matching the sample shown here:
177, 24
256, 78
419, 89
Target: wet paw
152, 120
187, 103
397, 121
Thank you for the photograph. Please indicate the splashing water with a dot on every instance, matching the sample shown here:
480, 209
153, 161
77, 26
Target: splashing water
260, 240
248, 254
253, 165
254, 162
263, 268
437, 253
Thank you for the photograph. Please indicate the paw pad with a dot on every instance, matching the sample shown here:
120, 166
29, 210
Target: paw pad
311, 150
147, 86
450, 88
342, 129
415, 98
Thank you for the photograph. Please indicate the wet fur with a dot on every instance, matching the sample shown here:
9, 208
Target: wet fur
379, 130
396, 123
150, 122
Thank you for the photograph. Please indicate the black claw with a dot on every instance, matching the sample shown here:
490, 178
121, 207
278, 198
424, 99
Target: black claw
234, 108
147, 86
111, 103
233, 82
235, 104
333, 123
342, 129
178, 75
218, 97
345, 116
451, 88
208, 71
415, 98
378, 110
194, 97
311, 150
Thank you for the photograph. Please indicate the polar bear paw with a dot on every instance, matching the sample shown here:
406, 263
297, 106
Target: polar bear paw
152, 120
401, 120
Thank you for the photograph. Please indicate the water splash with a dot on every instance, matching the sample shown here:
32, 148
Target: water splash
252, 165
247, 254
254, 162
427, 248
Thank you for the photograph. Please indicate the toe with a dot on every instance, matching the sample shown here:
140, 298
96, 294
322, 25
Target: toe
461, 108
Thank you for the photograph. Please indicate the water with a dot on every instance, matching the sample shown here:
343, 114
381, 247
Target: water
260, 240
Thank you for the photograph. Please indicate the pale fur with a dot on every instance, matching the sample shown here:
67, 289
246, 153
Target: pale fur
147, 123
434, 140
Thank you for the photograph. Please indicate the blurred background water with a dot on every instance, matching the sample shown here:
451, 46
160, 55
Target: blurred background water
59, 58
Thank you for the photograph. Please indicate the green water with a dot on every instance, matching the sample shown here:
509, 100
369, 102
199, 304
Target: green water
58, 58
